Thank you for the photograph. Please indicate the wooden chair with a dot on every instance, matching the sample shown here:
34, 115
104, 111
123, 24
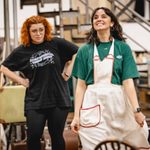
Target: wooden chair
114, 145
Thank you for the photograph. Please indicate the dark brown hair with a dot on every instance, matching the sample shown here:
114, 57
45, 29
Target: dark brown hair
116, 30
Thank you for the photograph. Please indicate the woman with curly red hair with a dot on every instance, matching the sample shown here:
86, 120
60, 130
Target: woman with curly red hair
26, 37
42, 59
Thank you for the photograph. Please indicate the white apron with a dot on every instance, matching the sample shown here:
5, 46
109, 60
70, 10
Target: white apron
106, 112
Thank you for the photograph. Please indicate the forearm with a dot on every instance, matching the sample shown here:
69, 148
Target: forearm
80, 91
69, 66
13, 76
131, 93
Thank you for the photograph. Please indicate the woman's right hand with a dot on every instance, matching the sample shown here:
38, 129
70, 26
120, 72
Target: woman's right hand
75, 125
1, 89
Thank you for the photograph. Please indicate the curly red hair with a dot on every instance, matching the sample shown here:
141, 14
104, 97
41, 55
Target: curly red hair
25, 36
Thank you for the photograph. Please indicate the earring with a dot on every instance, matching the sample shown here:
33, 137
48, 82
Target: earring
112, 28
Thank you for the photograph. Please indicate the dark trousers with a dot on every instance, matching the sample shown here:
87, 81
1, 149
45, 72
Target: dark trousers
36, 119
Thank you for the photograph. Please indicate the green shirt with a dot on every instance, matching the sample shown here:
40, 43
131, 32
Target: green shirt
124, 65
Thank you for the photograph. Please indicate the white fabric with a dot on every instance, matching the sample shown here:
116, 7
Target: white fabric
116, 114
87, 120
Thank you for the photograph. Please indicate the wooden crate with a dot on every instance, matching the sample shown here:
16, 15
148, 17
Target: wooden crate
12, 104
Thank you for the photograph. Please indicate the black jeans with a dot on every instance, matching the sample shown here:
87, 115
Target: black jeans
36, 120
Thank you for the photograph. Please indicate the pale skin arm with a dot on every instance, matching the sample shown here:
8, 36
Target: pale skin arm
80, 91
14, 77
68, 68
131, 93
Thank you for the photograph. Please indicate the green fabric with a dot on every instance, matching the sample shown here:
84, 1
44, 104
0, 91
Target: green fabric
124, 65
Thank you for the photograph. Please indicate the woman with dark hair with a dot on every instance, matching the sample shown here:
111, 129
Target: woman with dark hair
106, 104
46, 63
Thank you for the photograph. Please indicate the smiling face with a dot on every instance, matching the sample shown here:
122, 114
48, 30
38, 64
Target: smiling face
37, 33
101, 21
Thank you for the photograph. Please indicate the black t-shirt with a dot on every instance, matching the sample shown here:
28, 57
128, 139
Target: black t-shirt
43, 64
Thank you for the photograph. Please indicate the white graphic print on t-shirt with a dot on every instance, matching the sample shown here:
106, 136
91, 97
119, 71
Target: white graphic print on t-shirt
41, 58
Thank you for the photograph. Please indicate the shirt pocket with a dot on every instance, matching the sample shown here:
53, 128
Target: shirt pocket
118, 64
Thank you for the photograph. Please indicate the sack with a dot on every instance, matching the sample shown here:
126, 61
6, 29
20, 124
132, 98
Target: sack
12, 104
90, 117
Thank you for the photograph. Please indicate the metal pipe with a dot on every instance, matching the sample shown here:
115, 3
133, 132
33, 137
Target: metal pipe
61, 20
70, 2
6, 26
148, 73
15, 23
113, 6
87, 11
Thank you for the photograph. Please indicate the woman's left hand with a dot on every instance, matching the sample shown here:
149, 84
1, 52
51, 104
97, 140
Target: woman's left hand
140, 118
